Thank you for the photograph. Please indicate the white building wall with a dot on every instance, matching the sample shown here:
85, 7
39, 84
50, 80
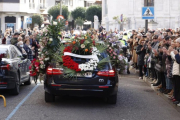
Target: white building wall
167, 13
25, 8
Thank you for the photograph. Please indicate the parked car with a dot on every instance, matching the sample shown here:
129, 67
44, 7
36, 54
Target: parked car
101, 83
14, 69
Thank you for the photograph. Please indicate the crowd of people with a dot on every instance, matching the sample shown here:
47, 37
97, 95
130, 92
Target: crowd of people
156, 54
24, 40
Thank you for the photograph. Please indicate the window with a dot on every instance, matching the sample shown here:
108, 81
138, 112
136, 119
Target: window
148, 2
13, 53
71, 2
30, 4
10, 1
10, 19
85, 3
44, 2
5, 52
33, 4
106, 7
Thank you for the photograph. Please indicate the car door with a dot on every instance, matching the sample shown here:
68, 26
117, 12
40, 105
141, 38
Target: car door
25, 65
16, 57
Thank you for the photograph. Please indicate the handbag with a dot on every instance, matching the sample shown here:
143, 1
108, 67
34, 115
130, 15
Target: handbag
158, 67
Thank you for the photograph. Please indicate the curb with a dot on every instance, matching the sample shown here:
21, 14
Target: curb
148, 81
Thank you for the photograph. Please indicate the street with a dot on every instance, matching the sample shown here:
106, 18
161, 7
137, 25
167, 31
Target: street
136, 101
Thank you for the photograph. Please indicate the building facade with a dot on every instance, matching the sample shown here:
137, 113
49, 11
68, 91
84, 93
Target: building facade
14, 13
167, 14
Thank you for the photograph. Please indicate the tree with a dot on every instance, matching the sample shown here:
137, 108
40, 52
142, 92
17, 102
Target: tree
79, 21
79, 12
92, 11
55, 11
37, 19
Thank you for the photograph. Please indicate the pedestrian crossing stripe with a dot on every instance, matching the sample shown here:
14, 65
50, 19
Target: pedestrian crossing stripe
148, 12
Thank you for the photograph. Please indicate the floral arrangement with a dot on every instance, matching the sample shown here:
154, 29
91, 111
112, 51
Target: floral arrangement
82, 46
53, 50
1, 56
115, 52
34, 67
49, 40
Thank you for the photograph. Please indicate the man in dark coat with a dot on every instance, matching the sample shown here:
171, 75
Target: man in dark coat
141, 51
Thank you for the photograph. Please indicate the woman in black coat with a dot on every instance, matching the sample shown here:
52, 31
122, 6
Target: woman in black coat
141, 51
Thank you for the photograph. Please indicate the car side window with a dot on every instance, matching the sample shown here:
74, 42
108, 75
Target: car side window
13, 53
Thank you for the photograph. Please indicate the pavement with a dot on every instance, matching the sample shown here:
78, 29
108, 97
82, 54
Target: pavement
136, 101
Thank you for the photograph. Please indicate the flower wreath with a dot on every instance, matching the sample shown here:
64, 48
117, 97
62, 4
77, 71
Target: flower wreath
90, 65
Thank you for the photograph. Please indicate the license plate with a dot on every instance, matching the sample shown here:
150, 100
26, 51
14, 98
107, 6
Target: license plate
87, 74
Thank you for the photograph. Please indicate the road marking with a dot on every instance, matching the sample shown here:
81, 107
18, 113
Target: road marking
19, 105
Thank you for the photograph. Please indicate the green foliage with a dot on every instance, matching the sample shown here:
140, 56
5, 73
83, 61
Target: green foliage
37, 19
69, 73
79, 21
79, 12
55, 11
102, 63
92, 11
101, 47
53, 46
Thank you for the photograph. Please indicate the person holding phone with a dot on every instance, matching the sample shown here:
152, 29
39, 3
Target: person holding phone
141, 51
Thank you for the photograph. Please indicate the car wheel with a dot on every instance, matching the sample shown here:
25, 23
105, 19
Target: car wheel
15, 91
49, 97
112, 99
28, 82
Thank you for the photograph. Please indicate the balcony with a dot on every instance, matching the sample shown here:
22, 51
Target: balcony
42, 7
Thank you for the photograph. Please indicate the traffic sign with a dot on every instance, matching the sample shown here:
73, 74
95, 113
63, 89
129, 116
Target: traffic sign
147, 13
29, 20
60, 17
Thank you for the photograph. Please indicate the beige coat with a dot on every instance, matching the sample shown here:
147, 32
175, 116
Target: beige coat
176, 66
135, 56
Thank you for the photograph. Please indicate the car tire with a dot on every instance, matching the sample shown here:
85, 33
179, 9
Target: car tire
49, 97
28, 82
15, 91
112, 99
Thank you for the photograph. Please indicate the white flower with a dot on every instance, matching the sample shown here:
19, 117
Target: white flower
82, 46
95, 64
41, 66
91, 68
46, 59
50, 39
54, 23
